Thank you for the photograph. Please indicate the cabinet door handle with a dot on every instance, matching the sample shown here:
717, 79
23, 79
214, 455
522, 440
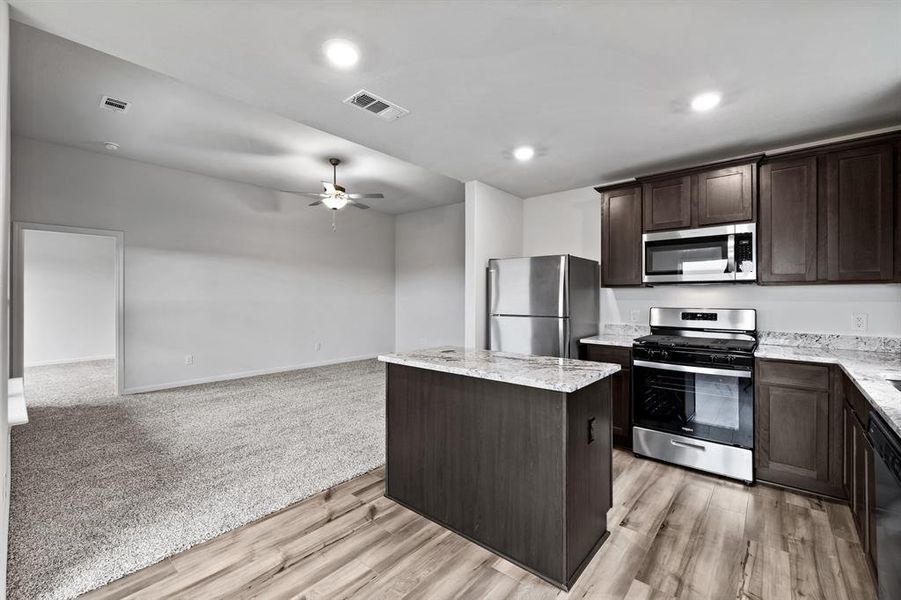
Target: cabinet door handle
690, 446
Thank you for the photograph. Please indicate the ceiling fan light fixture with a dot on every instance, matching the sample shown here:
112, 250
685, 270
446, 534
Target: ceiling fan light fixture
336, 201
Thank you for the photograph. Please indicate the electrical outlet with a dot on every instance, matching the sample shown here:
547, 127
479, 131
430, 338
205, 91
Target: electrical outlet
859, 321
635, 315
317, 346
189, 360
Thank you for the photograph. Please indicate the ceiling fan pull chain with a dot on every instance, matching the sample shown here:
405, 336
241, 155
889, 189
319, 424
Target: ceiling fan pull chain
334, 225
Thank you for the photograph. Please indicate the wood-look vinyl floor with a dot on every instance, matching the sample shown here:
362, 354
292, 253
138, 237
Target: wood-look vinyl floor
674, 534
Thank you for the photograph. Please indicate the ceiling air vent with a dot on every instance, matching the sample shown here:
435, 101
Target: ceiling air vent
383, 109
114, 104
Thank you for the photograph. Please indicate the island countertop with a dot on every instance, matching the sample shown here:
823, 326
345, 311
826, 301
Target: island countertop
544, 372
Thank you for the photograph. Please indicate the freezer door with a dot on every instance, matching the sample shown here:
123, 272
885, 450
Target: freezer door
539, 336
528, 286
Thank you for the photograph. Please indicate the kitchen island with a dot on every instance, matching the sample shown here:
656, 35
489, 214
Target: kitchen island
510, 451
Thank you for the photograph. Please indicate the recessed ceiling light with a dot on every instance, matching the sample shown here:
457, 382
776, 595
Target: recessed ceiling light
705, 101
112, 146
341, 53
524, 153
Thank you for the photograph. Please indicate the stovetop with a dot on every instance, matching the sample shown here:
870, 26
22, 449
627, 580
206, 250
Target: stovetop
698, 343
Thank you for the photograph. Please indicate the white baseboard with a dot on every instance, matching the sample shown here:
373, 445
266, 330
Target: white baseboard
66, 361
242, 375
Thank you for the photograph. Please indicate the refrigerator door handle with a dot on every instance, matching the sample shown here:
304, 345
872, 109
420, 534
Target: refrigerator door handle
561, 299
492, 289
563, 337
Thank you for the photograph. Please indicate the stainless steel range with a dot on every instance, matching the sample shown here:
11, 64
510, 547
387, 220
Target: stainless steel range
693, 389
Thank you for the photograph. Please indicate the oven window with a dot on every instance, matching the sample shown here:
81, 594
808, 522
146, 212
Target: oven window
718, 408
695, 255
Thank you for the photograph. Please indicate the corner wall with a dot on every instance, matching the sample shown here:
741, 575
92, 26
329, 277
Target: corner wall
493, 230
430, 275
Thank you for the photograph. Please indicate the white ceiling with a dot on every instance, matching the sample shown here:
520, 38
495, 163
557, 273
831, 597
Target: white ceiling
56, 90
600, 88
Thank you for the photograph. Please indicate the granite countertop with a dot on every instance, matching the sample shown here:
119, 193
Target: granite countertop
865, 368
610, 339
549, 373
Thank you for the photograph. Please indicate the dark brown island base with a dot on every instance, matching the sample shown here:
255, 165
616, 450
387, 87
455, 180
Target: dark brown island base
510, 451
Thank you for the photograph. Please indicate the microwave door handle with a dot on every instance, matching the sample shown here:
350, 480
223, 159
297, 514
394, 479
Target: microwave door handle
730, 253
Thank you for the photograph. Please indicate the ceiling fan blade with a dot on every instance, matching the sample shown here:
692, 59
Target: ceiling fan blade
306, 194
366, 195
317, 203
357, 204
329, 187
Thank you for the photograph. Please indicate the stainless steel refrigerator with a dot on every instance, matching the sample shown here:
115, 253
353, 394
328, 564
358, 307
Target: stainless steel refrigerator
542, 305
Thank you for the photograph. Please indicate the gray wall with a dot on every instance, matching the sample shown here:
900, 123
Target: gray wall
246, 279
69, 297
429, 258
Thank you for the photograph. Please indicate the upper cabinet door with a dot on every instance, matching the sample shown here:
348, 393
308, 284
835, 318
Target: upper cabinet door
667, 204
621, 237
898, 212
787, 223
726, 195
860, 214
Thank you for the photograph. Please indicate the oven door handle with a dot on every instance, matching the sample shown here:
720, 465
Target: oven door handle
738, 373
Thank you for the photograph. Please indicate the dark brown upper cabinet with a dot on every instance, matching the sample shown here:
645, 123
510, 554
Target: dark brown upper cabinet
898, 211
667, 203
860, 214
787, 221
726, 195
621, 236
826, 213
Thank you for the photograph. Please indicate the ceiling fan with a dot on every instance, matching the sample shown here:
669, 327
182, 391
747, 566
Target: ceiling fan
335, 196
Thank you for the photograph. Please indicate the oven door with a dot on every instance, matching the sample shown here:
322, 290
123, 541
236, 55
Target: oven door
710, 404
706, 254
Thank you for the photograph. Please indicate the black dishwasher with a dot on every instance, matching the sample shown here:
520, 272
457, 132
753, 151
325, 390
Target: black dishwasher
887, 464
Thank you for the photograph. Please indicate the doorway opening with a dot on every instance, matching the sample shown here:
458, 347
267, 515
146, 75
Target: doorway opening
67, 309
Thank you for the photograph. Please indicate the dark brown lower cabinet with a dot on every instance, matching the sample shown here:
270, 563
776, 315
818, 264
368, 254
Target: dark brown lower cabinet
810, 429
798, 427
621, 388
860, 472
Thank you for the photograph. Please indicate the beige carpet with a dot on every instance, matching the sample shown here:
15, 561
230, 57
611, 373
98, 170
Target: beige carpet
103, 485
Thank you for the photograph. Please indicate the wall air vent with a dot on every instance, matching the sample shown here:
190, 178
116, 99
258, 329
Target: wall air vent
383, 109
114, 104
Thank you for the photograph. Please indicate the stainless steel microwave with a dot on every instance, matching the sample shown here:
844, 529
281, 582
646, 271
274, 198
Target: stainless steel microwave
709, 254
